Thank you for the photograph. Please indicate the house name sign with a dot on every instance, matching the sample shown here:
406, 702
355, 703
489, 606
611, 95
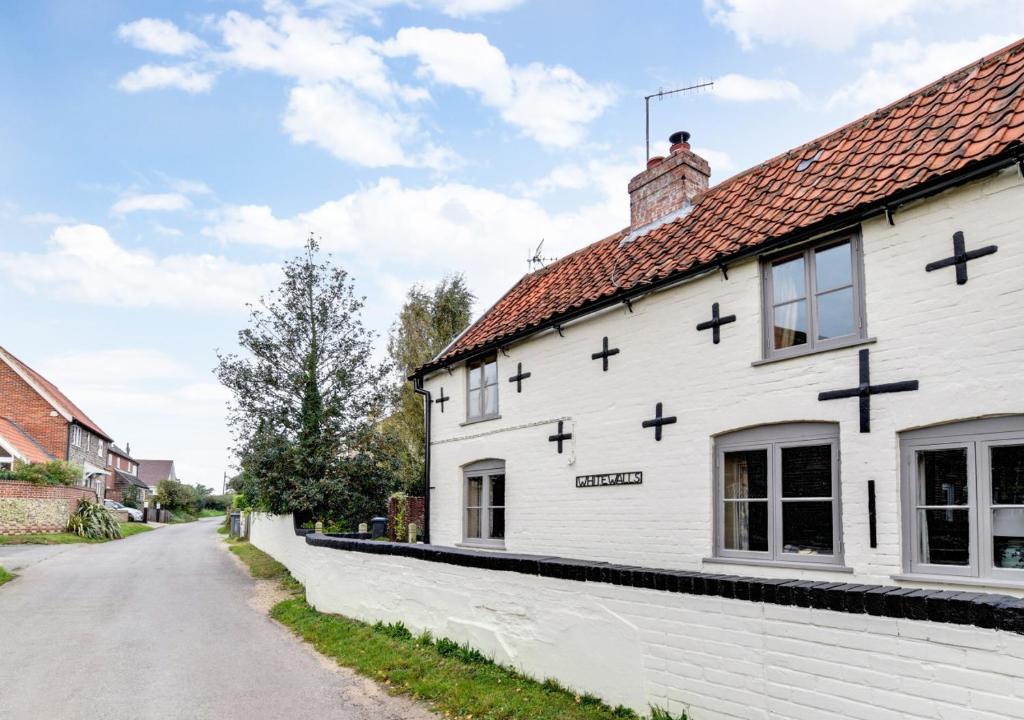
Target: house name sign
622, 478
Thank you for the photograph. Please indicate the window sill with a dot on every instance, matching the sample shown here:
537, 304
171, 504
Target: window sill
827, 567
480, 546
960, 580
480, 420
853, 342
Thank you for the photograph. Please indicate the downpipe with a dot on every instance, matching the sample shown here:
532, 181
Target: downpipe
417, 385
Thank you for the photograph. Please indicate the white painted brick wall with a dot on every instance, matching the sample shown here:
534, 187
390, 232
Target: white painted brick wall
965, 344
714, 657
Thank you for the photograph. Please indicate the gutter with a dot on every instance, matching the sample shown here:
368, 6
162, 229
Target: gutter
417, 386
1013, 155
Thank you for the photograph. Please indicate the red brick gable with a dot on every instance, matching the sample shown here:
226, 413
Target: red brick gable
63, 403
943, 130
25, 406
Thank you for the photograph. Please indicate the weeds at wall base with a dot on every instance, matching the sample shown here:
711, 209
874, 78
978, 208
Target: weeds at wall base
452, 678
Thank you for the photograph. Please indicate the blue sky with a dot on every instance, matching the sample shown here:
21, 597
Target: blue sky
160, 159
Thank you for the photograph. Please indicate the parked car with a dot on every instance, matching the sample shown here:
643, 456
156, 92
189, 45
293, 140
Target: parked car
135, 515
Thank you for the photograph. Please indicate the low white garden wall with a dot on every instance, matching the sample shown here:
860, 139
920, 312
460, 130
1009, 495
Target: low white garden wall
713, 656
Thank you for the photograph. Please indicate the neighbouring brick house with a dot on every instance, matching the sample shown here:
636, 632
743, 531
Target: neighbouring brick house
124, 472
54, 423
16, 445
154, 472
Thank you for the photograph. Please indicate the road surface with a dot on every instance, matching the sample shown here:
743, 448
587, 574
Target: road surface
159, 625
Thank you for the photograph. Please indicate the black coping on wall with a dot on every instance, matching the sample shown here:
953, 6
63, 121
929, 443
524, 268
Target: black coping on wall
985, 610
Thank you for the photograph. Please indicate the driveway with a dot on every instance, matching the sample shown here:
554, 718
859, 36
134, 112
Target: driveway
159, 625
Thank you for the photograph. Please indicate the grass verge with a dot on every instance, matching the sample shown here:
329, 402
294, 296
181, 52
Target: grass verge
454, 679
127, 530
5, 576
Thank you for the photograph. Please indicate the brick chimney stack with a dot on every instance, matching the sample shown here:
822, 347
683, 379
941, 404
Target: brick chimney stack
668, 184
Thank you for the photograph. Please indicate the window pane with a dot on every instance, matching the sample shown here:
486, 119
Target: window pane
490, 373
746, 474
789, 281
497, 528
944, 537
746, 525
790, 324
474, 403
807, 528
474, 491
835, 314
473, 522
475, 373
1008, 538
832, 267
942, 477
807, 471
1007, 475
490, 399
497, 490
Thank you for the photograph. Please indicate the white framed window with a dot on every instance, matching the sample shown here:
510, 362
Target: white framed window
483, 518
99, 448
6, 459
76, 436
963, 499
482, 389
813, 298
777, 494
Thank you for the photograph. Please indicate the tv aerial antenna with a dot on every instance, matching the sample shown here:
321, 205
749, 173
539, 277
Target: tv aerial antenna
660, 95
535, 260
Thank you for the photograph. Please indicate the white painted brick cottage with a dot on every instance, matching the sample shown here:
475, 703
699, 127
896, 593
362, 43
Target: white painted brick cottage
667, 396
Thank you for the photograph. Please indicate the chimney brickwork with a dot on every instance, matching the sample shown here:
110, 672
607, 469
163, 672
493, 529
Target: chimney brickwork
667, 184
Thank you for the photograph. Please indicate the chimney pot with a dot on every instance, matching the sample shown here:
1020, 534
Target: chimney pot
654, 161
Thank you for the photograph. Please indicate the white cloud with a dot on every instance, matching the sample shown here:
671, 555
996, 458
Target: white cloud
83, 263
741, 88
46, 218
182, 77
188, 187
389, 233
452, 8
335, 118
550, 104
310, 50
159, 36
467, 8
151, 202
891, 70
831, 25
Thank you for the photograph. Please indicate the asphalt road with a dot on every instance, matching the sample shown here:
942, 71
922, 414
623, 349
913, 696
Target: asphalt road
159, 625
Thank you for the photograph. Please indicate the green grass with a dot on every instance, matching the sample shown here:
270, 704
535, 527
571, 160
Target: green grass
127, 530
210, 512
5, 576
454, 679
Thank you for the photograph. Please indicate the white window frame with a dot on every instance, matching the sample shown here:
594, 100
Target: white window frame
484, 469
99, 448
978, 437
773, 439
813, 345
477, 414
76, 435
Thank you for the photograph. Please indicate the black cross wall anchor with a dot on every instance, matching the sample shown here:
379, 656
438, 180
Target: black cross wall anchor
865, 390
519, 377
605, 353
715, 323
442, 398
960, 257
658, 422
560, 437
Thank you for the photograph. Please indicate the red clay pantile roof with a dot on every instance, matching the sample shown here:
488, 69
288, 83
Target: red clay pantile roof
15, 439
60, 398
967, 117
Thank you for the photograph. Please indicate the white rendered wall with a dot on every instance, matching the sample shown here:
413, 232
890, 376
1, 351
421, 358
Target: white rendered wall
965, 344
717, 658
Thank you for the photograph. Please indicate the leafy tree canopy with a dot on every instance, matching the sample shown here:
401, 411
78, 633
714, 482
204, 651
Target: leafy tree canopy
307, 396
428, 322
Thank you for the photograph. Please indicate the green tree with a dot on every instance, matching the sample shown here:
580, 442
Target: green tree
428, 322
306, 393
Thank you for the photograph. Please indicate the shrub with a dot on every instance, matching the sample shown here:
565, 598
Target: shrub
218, 502
55, 472
91, 520
175, 496
130, 497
